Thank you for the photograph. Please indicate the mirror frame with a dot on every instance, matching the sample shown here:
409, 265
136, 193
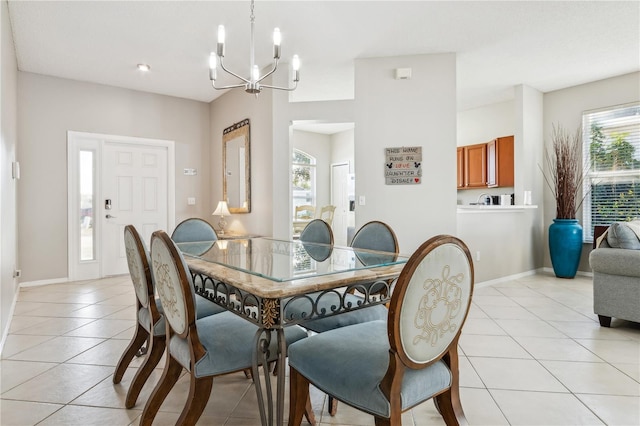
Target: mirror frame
239, 129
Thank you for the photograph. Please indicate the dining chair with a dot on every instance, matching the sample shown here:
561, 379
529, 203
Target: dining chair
205, 347
326, 214
317, 231
193, 230
302, 215
374, 235
306, 211
150, 326
387, 367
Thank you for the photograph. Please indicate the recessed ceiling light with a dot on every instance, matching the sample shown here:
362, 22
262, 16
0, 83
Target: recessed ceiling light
144, 67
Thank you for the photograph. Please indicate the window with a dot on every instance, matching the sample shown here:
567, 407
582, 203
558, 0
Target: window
87, 230
303, 178
611, 148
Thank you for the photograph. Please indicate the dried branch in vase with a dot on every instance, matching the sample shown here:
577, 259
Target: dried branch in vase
565, 171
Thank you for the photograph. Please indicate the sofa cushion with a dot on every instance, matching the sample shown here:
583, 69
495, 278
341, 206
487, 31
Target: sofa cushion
620, 235
614, 261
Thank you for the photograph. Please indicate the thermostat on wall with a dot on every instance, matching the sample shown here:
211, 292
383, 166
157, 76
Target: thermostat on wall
403, 73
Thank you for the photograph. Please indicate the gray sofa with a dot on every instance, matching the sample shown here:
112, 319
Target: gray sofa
616, 274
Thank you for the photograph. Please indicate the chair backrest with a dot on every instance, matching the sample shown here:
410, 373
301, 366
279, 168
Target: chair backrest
430, 302
317, 231
174, 284
138, 262
306, 211
326, 214
193, 230
317, 252
376, 235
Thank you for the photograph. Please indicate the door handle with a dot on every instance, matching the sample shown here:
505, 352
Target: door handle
110, 217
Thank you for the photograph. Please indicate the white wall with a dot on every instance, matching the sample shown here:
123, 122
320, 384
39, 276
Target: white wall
226, 110
528, 155
342, 147
47, 108
416, 112
480, 125
565, 107
505, 241
8, 147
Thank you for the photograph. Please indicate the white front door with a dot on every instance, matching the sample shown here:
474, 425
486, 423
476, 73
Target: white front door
134, 191
340, 199
136, 176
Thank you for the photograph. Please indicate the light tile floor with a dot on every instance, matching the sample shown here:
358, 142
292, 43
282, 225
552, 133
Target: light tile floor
532, 353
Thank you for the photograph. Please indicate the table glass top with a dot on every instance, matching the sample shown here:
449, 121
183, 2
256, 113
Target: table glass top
287, 260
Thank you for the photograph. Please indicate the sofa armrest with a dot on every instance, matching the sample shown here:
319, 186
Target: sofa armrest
615, 261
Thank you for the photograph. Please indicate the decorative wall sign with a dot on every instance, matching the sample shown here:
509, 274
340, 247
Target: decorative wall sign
403, 165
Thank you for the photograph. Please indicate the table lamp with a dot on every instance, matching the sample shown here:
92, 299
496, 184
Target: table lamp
222, 210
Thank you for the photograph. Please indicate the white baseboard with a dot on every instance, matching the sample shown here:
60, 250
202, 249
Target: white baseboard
5, 332
44, 282
507, 278
581, 273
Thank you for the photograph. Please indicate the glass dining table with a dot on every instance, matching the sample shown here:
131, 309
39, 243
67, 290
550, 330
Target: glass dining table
259, 278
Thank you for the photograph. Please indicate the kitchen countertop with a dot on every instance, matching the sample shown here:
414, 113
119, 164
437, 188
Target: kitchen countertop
480, 208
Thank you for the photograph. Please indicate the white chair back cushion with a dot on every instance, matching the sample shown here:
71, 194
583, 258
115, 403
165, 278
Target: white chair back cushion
435, 303
136, 268
167, 282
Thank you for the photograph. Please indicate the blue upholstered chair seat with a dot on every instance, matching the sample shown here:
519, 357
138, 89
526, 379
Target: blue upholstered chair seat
229, 341
204, 308
330, 302
353, 372
193, 230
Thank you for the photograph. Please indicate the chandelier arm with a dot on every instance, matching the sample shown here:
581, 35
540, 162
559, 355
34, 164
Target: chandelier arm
234, 86
232, 73
275, 66
287, 89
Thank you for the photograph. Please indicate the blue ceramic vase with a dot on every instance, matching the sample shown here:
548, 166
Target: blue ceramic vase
565, 246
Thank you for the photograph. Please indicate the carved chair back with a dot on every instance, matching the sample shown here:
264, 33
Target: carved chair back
430, 302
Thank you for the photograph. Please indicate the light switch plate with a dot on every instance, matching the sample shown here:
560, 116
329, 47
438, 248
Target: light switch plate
15, 170
191, 201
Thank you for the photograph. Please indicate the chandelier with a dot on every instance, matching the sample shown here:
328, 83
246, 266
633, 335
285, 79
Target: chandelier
251, 84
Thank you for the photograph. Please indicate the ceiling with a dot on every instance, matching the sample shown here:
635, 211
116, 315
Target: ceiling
547, 45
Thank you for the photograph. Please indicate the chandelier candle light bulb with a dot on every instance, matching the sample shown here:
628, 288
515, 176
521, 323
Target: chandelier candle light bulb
212, 67
277, 39
221, 37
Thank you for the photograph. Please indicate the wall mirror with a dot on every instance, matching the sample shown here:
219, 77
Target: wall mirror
236, 155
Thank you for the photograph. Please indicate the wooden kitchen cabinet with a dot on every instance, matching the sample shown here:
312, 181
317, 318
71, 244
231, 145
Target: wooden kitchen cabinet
500, 162
475, 166
486, 165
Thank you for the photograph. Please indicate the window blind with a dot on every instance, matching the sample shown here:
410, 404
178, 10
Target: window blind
611, 149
